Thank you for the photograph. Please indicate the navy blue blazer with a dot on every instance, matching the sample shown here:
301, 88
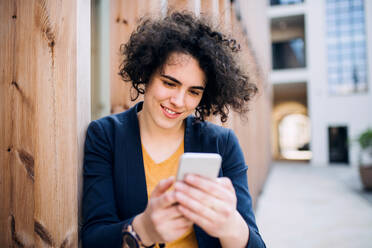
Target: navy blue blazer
114, 178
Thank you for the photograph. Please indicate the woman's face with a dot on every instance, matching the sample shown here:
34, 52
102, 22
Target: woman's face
174, 91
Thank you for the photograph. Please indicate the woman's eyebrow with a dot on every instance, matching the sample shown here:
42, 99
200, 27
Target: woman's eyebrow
178, 82
171, 78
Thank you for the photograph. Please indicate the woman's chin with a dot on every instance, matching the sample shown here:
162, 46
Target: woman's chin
169, 123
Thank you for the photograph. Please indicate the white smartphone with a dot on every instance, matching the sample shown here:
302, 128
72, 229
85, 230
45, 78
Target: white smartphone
204, 164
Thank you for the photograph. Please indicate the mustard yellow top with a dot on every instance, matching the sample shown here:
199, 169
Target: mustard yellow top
154, 174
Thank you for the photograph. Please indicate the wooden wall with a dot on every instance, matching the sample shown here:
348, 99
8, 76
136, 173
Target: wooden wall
40, 147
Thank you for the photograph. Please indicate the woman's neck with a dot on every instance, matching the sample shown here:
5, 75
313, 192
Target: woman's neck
150, 131
160, 143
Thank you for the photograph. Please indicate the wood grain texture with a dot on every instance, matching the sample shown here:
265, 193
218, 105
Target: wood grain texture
17, 110
189, 5
224, 7
125, 16
38, 117
210, 8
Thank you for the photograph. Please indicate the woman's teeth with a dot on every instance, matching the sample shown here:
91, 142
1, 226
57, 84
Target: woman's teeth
170, 111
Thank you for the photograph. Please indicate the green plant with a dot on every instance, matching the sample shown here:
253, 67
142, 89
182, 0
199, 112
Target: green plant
365, 139
365, 158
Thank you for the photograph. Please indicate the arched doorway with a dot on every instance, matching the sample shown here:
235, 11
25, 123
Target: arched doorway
291, 132
294, 137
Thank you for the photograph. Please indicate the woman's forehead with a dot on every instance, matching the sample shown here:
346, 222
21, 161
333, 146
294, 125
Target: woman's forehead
184, 67
177, 58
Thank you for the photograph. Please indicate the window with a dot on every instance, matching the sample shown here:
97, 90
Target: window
288, 54
347, 62
284, 2
288, 42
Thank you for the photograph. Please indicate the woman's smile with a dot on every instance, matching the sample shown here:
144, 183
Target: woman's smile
170, 113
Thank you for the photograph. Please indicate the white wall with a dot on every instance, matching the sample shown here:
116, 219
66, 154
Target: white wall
325, 110
368, 14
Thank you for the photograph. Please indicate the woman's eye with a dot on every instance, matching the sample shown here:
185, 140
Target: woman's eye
195, 93
169, 84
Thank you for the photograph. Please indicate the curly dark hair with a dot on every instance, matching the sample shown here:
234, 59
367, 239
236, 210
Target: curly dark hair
154, 40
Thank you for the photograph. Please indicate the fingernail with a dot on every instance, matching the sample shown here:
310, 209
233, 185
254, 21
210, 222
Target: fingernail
179, 185
190, 178
179, 195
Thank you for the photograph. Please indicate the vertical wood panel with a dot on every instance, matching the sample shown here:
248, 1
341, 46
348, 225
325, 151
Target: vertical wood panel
225, 13
224, 8
210, 8
125, 15
56, 184
190, 5
143, 7
157, 7
123, 21
17, 121
38, 113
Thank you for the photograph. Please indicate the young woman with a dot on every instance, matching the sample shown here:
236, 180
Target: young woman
186, 71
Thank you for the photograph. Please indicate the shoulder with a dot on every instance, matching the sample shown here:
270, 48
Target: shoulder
211, 130
209, 133
214, 138
113, 127
111, 121
215, 131
117, 121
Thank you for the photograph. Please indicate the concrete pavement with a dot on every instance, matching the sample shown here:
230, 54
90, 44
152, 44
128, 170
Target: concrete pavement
317, 207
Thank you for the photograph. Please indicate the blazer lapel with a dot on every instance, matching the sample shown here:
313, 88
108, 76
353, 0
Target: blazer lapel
136, 190
192, 136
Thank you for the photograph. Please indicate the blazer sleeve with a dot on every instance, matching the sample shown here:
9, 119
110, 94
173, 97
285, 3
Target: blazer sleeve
101, 224
236, 169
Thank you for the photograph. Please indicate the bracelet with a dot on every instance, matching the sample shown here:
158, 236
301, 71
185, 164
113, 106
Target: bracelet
131, 239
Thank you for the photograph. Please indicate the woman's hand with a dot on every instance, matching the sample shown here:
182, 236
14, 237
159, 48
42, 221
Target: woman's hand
162, 221
211, 204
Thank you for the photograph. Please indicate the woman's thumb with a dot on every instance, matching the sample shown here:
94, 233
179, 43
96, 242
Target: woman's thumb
163, 186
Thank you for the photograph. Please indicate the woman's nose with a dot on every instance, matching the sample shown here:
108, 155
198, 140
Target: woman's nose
178, 98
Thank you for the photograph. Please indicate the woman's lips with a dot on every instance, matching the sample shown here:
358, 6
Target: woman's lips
169, 112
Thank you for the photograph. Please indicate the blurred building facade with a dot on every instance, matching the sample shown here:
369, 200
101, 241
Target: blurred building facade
321, 77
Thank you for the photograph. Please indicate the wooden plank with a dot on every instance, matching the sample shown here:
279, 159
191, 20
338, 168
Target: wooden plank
56, 187
17, 114
125, 15
152, 8
224, 9
225, 13
122, 23
190, 5
210, 8
38, 115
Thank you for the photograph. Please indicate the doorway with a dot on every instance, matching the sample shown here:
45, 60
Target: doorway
337, 144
